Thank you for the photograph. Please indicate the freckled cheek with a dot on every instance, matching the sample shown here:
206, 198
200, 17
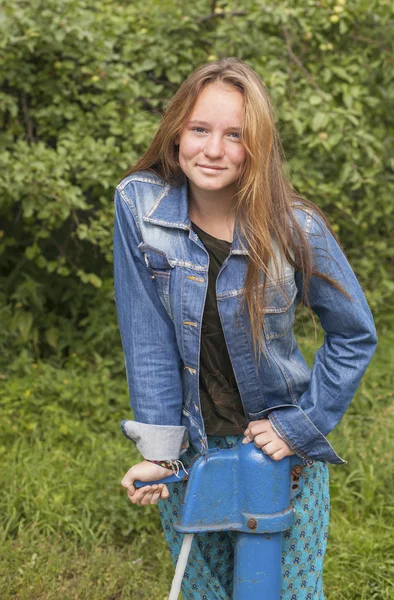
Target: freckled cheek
238, 157
190, 149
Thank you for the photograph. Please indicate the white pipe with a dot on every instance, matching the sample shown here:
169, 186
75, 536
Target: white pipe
181, 566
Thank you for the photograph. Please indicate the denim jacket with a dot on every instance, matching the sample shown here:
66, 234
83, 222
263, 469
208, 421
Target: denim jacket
160, 271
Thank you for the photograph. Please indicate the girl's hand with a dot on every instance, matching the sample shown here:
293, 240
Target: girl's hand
149, 494
266, 438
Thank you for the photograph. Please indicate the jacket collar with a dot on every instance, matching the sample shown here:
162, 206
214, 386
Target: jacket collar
171, 209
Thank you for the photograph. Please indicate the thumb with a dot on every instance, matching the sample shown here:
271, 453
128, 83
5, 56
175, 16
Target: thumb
128, 480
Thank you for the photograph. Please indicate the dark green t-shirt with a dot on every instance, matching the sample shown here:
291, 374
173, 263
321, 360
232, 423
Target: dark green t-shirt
220, 399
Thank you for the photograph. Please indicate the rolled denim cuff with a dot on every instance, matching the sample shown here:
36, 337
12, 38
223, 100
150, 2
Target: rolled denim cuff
157, 442
302, 436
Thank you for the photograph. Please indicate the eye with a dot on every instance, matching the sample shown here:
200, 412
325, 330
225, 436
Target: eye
236, 134
200, 129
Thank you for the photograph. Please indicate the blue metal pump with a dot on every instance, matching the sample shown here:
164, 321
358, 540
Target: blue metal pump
241, 489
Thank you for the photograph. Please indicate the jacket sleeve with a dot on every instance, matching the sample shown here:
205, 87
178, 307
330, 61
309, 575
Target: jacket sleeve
152, 360
349, 343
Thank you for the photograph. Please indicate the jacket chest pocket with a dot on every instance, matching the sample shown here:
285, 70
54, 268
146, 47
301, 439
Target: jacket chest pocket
280, 308
160, 271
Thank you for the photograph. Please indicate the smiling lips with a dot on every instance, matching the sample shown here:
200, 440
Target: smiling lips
210, 167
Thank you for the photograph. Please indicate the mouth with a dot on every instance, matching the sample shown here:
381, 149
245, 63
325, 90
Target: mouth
211, 168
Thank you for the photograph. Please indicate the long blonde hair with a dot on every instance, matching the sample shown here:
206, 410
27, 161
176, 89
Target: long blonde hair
265, 197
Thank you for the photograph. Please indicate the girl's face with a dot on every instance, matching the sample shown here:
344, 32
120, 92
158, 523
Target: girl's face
210, 150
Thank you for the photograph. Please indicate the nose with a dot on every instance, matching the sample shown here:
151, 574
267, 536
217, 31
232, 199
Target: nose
214, 147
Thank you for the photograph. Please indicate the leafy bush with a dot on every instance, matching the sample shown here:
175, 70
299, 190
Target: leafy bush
83, 86
40, 401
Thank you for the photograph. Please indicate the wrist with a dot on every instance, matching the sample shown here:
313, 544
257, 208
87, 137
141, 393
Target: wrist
165, 464
170, 465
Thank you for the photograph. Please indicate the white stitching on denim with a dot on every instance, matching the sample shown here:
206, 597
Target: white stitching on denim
188, 265
244, 252
308, 211
165, 223
188, 414
240, 291
127, 180
132, 209
157, 201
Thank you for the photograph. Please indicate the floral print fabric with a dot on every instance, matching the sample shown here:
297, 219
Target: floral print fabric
209, 572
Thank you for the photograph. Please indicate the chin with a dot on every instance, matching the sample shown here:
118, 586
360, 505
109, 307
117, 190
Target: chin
211, 185
209, 182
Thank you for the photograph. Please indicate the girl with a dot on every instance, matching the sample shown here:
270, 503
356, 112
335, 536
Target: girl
213, 249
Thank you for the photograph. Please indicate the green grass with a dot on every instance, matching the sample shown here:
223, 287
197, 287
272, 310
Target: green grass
67, 530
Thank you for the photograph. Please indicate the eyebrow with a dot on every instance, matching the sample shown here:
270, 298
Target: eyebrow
206, 124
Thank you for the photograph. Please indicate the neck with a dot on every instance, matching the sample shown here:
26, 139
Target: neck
210, 205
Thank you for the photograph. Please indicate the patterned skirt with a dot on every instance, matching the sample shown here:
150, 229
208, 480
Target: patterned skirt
209, 572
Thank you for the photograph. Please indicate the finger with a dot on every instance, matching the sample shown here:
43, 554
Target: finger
148, 496
134, 498
131, 497
127, 480
130, 489
137, 497
250, 434
256, 432
262, 439
279, 454
270, 448
165, 493
246, 440
146, 499
247, 430
251, 423
155, 497
257, 427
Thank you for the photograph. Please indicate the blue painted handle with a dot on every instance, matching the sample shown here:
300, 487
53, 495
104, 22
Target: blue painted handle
170, 479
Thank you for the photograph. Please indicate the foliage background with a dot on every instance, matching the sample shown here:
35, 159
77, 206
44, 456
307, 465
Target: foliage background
83, 87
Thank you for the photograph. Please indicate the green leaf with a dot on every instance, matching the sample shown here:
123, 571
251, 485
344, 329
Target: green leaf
52, 337
298, 126
342, 73
314, 99
24, 322
319, 121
